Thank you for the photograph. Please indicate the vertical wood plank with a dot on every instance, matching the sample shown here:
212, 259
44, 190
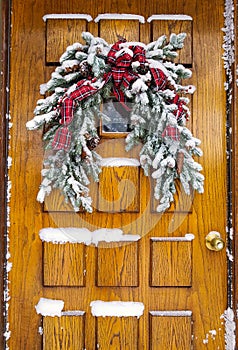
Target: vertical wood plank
171, 263
170, 332
119, 189
117, 264
64, 264
117, 333
61, 33
63, 333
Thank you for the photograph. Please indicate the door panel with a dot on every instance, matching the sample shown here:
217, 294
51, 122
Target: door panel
123, 270
65, 333
151, 258
127, 29
117, 333
61, 33
119, 189
169, 26
171, 262
170, 330
64, 264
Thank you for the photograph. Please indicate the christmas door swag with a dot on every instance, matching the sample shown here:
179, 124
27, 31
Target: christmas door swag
144, 75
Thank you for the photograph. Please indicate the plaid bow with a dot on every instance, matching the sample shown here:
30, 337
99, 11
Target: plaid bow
121, 72
63, 135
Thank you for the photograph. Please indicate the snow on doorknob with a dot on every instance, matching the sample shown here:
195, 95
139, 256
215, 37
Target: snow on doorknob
214, 241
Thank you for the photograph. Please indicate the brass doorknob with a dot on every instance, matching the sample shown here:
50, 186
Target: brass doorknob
214, 241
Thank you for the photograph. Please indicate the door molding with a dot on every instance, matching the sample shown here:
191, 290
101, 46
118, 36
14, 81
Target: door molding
234, 167
5, 6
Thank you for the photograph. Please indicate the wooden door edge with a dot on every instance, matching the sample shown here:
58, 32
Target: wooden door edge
4, 83
232, 200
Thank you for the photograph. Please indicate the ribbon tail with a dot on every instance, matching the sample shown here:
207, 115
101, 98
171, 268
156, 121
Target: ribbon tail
159, 77
172, 132
62, 139
118, 94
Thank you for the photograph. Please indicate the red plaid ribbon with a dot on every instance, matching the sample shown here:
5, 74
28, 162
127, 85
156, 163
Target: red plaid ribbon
62, 138
63, 135
171, 131
83, 90
180, 112
159, 78
121, 72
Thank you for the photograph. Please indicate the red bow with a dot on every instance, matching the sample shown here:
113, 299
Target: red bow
120, 58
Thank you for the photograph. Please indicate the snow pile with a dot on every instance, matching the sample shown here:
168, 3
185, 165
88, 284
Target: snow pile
112, 235
67, 16
83, 235
172, 313
65, 235
230, 328
167, 17
228, 45
187, 238
117, 162
121, 16
49, 307
116, 308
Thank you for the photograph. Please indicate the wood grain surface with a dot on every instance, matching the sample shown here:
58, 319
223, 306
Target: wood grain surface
61, 33
117, 264
63, 333
171, 332
122, 190
64, 264
117, 333
171, 264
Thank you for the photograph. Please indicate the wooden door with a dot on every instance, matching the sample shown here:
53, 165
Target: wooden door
173, 287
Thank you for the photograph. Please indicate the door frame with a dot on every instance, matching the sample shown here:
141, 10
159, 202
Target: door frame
234, 168
5, 10
232, 164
